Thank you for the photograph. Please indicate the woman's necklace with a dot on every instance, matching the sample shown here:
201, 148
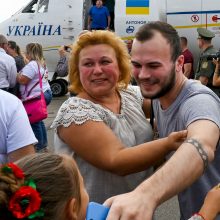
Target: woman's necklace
115, 106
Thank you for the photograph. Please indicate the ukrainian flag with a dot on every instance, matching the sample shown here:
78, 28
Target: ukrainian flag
135, 7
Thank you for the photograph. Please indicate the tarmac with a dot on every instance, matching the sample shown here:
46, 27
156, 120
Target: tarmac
169, 210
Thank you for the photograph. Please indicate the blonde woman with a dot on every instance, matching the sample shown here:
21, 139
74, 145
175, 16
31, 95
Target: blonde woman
29, 87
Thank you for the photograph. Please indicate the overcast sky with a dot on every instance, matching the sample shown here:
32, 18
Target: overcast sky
9, 7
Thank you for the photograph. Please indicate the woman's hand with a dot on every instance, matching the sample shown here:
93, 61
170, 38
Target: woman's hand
216, 76
217, 65
62, 51
175, 139
211, 205
216, 61
23, 80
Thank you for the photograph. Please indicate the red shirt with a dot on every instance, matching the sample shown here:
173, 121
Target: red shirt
188, 58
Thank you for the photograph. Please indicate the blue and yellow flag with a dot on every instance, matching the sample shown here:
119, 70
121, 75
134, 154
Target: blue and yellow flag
137, 7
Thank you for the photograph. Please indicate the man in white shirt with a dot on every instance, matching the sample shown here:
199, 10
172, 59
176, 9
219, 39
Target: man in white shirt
16, 136
8, 70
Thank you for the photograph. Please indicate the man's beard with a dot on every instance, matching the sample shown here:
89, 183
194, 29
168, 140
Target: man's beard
170, 82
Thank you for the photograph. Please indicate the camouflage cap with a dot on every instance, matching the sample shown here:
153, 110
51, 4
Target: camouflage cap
204, 33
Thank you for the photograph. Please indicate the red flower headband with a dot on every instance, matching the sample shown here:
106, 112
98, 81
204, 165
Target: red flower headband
26, 201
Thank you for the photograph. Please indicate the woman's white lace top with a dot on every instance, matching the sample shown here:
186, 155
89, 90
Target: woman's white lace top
130, 126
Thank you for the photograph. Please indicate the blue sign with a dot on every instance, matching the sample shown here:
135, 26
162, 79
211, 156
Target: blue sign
130, 29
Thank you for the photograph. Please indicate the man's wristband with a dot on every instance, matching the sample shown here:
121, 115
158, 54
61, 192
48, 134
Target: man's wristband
197, 216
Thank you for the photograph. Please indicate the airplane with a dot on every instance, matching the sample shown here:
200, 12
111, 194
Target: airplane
53, 23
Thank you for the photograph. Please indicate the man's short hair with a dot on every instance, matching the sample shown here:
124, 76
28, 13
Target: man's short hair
184, 40
147, 32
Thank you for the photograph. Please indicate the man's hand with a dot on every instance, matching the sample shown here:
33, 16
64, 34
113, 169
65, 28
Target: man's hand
130, 206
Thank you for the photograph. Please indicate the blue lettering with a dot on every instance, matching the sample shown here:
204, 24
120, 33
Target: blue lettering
136, 22
39, 28
47, 28
58, 31
26, 29
32, 31
17, 31
10, 28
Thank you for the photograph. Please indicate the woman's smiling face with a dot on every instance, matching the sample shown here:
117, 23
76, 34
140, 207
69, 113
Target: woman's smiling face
99, 70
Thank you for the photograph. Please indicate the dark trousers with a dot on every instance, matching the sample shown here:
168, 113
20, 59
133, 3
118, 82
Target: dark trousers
39, 128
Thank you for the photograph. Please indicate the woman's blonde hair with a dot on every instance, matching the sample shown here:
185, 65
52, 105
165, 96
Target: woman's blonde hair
57, 181
95, 38
35, 52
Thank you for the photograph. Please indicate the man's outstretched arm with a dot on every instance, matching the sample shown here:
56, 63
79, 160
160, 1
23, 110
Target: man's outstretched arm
181, 170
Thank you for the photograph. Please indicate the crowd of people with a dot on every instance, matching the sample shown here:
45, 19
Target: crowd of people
207, 70
19, 75
103, 137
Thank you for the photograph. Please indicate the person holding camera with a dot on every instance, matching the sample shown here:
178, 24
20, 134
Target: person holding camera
216, 76
62, 65
206, 68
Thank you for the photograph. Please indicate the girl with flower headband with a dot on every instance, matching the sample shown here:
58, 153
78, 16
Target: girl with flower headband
50, 187
42, 187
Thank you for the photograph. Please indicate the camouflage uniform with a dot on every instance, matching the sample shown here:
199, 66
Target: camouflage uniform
205, 66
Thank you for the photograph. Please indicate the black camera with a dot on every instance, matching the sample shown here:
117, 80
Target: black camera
212, 56
67, 48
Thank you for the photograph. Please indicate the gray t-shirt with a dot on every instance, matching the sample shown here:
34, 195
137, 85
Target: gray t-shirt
130, 126
195, 102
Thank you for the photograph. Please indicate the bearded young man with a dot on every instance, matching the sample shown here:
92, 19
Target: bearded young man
178, 104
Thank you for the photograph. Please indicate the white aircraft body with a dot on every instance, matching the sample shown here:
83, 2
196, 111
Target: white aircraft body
53, 23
